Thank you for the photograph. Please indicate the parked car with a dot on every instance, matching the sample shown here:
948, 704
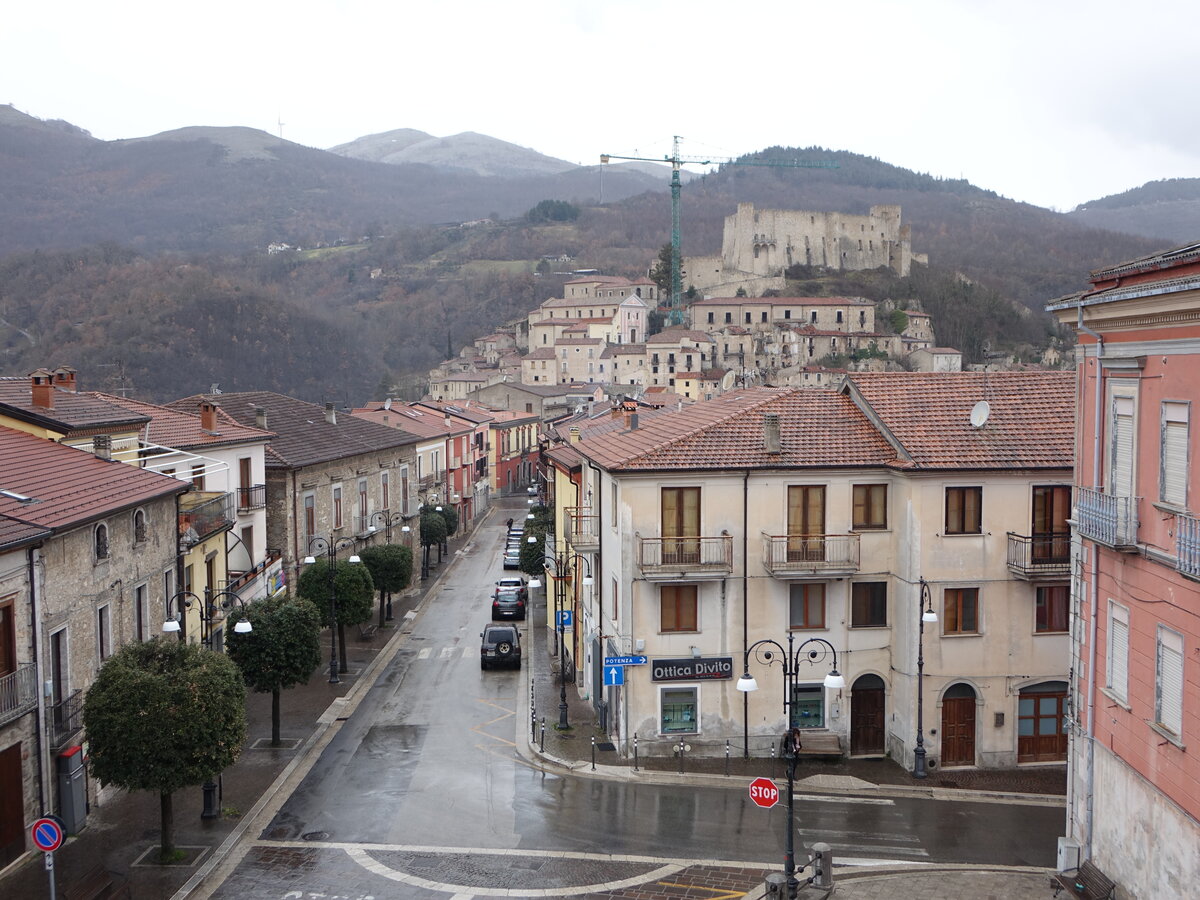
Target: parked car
512, 582
508, 603
500, 645
512, 559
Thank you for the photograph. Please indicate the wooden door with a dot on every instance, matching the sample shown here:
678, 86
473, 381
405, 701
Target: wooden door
1051, 531
806, 522
958, 731
866, 717
1041, 724
12, 810
681, 526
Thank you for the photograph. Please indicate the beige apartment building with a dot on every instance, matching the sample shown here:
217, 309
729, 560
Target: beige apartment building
773, 514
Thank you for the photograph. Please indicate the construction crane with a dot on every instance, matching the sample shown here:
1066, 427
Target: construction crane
677, 162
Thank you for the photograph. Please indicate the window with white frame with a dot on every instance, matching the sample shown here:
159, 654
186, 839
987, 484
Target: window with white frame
1120, 468
1117, 677
679, 710
1173, 472
337, 506
1168, 681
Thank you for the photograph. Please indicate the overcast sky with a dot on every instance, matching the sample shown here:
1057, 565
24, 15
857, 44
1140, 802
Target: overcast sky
1053, 102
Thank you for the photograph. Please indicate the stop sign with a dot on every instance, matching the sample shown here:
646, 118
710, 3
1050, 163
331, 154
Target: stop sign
764, 793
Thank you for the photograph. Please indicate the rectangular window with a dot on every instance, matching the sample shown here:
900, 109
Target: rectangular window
140, 631
677, 608
1168, 681
363, 510
1051, 608
1051, 530
808, 706
1120, 469
8, 637
198, 476
728, 318
103, 633
807, 606
964, 510
764, 316
1117, 680
1173, 475
679, 710
870, 506
960, 611
616, 599
710, 318
310, 518
868, 604
681, 526
385, 491
337, 506
404, 489
748, 318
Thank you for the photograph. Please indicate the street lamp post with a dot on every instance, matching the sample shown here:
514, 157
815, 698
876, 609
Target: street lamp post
207, 607
790, 744
331, 547
562, 570
925, 605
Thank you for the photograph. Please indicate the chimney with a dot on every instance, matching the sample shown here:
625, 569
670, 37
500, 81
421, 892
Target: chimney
102, 446
330, 414
574, 434
208, 416
771, 440
64, 377
260, 418
633, 421
41, 389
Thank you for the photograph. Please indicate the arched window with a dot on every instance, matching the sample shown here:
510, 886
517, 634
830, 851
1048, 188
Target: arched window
139, 526
101, 535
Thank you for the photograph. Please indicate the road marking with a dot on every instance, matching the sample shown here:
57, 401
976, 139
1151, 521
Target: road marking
424, 654
447, 652
867, 801
863, 848
823, 833
718, 893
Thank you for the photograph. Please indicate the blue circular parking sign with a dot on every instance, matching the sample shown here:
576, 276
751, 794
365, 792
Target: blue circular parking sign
48, 833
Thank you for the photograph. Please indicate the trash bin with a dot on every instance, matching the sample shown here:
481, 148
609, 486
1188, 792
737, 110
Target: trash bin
72, 790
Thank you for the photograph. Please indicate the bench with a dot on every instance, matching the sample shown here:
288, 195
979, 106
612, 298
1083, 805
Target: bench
820, 744
367, 630
98, 884
1087, 883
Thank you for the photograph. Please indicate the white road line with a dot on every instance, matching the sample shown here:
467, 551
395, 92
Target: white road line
446, 653
424, 654
868, 848
861, 835
868, 801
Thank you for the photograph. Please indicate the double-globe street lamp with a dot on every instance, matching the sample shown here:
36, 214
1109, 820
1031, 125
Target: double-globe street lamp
380, 518
331, 547
208, 605
790, 658
561, 563
925, 605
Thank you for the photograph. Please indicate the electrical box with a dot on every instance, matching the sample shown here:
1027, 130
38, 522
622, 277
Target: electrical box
72, 790
1068, 854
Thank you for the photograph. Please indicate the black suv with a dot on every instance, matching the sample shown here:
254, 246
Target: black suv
507, 603
501, 645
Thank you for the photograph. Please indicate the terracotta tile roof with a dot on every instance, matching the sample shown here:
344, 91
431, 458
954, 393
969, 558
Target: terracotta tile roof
14, 533
72, 411
69, 486
541, 353
928, 416
302, 436
175, 428
818, 428
675, 335
467, 411
419, 421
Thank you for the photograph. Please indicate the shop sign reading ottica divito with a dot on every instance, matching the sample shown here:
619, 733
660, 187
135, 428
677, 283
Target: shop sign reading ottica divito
692, 669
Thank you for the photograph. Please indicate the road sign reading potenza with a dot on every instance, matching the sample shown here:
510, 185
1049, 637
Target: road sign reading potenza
764, 793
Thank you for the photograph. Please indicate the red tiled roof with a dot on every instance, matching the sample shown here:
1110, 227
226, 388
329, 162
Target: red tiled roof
675, 335
175, 428
928, 414
68, 486
14, 532
416, 420
72, 411
541, 353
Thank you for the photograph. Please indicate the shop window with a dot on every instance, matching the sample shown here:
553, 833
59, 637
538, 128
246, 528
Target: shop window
808, 706
679, 710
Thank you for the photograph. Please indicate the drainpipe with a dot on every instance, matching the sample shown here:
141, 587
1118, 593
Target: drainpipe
1093, 624
35, 621
745, 608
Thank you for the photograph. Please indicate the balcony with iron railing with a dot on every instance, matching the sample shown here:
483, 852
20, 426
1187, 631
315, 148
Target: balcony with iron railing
250, 498
261, 581
1106, 518
18, 692
698, 557
66, 720
203, 514
814, 555
1187, 546
583, 527
1039, 555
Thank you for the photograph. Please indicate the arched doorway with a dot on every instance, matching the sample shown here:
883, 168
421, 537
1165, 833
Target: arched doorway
1041, 722
958, 726
866, 716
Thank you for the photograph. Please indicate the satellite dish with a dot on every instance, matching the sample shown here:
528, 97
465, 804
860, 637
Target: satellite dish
727, 380
979, 413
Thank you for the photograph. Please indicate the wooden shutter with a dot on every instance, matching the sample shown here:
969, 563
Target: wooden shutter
1170, 680
1174, 462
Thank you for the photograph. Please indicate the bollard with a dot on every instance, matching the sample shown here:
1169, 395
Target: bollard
681, 756
777, 885
635, 756
593, 753
543, 734
727, 758
822, 863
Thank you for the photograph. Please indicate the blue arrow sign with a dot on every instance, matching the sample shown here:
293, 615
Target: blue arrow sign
624, 660
614, 675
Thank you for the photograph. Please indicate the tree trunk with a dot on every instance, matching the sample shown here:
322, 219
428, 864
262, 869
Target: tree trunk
167, 849
382, 609
342, 667
275, 717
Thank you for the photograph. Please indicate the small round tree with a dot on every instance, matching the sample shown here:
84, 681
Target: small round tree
283, 650
355, 595
433, 533
391, 568
450, 514
164, 715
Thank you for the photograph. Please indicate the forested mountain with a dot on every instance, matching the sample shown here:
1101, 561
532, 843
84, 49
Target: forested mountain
1167, 210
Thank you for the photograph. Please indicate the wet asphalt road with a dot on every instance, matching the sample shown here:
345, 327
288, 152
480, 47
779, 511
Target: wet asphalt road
428, 760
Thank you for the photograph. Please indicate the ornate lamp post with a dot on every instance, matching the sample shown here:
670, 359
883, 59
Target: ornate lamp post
378, 519
925, 605
331, 547
790, 659
561, 564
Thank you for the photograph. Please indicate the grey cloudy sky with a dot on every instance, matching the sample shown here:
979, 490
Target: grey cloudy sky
1053, 102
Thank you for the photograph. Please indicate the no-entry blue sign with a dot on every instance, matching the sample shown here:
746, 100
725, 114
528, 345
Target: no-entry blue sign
47, 834
624, 660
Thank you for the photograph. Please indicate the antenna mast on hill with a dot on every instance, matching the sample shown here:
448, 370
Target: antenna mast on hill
279, 122
677, 161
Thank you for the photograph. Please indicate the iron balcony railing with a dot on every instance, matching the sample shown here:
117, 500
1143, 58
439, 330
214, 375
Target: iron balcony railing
66, 720
812, 554
1106, 518
1187, 546
672, 555
1039, 555
18, 692
262, 581
203, 513
249, 498
582, 526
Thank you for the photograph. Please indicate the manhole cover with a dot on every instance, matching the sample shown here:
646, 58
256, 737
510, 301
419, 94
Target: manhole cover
316, 836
